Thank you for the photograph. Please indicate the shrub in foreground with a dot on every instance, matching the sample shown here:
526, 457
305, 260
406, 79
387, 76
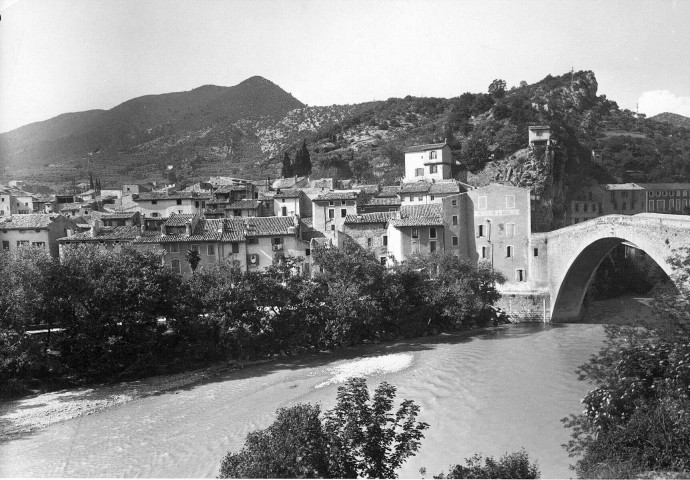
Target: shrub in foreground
360, 437
510, 465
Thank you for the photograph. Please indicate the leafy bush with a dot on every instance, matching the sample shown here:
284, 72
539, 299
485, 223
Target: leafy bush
360, 437
513, 465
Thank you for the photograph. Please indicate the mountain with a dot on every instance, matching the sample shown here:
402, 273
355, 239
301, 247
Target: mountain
673, 119
244, 131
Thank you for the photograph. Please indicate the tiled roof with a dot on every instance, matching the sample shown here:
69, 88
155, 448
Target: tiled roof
623, 186
383, 201
423, 148
307, 222
105, 233
118, 216
337, 195
75, 206
389, 191
288, 193
27, 221
289, 182
416, 187
665, 186
171, 196
179, 219
231, 188
444, 187
419, 216
244, 204
379, 217
263, 226
369, 189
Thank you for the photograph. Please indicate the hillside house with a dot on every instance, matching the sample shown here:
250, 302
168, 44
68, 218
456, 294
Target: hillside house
110, 238
416, 229
369, 231
78, 209
290, 201
155, 204
330, 209
428, 162
34, 229
539, 135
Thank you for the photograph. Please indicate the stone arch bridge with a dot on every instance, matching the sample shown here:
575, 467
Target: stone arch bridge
564, 261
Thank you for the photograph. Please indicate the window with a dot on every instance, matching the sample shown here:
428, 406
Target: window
510, 229
624, 194
432, 232
5, 245
677, 203
154, 202
577, 207
590, 196
432, 247
454, 203
455, 241
203, 204
283, 211
625, 206
585, 207
661, 205
331, 203
509, 251
480, 230
665, 193
536, 252
433, 168
342, 202
519, 275
431, 197
455, 219
651, 205
433, 155
369, 242
307, 252
385, 240
420, 198
238, 213
195, 248
21, 243
154, 215
235, 247
418, 172
196, 204
415, 233
343, 212
411, 198
510, 201
174, 248
175, 265
331, 213
382, 260
252, 241
210, 250
276, 241
594, 207
577, 220
481, 203
483, 252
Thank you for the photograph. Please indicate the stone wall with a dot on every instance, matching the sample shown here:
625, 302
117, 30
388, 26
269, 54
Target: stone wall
526, 307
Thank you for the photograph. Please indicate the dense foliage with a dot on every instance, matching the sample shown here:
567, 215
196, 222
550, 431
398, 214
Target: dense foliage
638, 417
100, 315
360, 437
513, 465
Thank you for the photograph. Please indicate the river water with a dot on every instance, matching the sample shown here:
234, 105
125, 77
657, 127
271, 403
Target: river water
491, 392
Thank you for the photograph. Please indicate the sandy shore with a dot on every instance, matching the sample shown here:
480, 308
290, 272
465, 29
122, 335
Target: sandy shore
39, 411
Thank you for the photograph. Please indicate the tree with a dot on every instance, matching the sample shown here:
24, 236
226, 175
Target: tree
497, 89
513, 465
475, 153
360, 437
287, 170
635, 419
302, 165
193, 258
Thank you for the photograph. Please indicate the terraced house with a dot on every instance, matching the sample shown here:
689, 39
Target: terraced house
34, 229
253, 242
157, 204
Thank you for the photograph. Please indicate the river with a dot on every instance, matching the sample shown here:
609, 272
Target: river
490, 392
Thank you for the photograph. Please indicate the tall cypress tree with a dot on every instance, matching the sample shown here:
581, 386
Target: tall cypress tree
287, 170
303, 160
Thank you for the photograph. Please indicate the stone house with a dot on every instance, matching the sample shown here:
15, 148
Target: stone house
428, 162
34, 229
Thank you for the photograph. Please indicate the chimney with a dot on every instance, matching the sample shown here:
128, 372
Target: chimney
95, 227
188, 228
69, 232
163, 232
142, 228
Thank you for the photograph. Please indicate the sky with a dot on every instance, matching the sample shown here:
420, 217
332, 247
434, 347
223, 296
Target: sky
59, 56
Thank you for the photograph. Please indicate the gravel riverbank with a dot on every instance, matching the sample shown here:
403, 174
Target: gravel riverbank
39, 411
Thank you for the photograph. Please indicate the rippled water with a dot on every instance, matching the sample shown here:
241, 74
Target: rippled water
490, 393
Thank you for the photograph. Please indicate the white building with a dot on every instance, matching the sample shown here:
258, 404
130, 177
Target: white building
430, 162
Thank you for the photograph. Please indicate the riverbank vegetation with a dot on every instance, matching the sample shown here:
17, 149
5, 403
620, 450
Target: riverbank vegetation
637, 419
105, 316
361, 437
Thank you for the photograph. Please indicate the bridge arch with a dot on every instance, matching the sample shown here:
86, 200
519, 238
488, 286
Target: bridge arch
576, 252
